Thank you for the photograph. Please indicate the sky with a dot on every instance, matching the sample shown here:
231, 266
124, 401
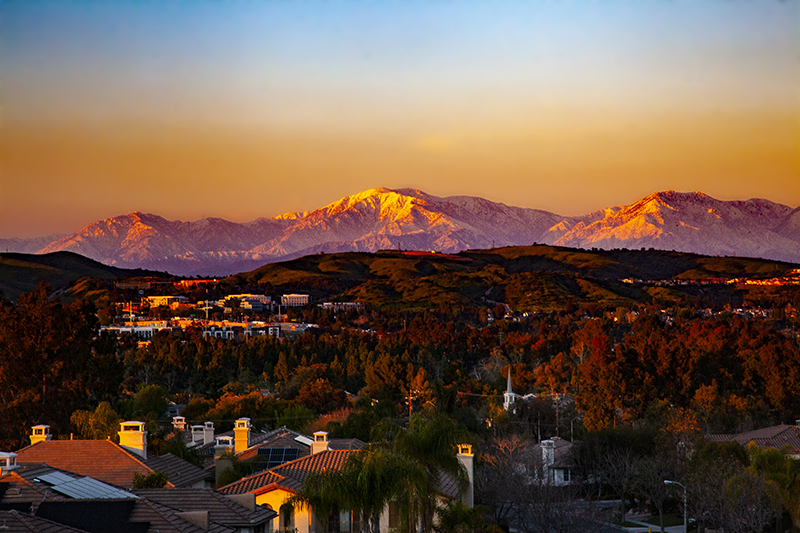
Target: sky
251, 108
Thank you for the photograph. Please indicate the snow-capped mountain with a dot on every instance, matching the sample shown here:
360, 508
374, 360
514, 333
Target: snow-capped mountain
694, 222
411, 219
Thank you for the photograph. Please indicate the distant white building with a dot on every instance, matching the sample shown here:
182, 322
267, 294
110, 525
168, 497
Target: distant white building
342, 306
509, 396
168, 301
295, 300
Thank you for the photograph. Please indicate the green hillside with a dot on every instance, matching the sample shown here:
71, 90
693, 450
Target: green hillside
526, 277
61, 270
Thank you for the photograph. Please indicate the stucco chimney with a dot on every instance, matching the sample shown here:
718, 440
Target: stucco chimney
222, 449
208, 433
133, 437
466, 458
179, 423
40, 433
8, 461
320, 443
242, 433
548, 453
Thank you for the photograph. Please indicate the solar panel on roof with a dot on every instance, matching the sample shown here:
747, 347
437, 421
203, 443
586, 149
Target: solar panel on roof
83, 488
272, 457
55, 478
304, 440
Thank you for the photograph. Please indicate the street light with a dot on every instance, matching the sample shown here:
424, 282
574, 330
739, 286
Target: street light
571, 433
685, 506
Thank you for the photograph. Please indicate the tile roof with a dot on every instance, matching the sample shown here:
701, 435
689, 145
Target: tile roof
138, 515
290, 475
20, 491
772, 437
164, 519
180, 472
221, 509
17, 522
562, 453
103, 460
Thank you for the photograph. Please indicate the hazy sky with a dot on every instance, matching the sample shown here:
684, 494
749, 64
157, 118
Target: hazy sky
248, 108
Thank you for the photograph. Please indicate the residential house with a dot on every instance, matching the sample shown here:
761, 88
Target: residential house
110, 462
556, 460
274, 486
778, 437
79, 503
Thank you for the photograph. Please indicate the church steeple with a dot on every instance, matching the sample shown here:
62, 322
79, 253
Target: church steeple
508, 395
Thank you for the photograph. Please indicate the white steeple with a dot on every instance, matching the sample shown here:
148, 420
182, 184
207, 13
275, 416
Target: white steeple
508, 395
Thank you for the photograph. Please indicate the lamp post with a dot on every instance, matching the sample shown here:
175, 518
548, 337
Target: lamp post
685, 504
571, 432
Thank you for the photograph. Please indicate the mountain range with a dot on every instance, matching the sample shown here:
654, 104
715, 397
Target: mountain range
409, 219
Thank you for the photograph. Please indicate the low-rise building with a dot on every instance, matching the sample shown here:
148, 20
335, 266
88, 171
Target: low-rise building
295, 300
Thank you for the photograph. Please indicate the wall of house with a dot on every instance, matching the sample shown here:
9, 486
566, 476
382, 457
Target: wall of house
275, 499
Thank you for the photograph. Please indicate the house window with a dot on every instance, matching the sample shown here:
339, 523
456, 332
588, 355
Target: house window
567, 475
344, 522
287, 516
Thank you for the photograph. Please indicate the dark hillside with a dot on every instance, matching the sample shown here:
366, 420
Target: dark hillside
526, 277
23, 272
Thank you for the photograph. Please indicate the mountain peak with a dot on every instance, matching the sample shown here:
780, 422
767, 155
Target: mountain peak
381, 218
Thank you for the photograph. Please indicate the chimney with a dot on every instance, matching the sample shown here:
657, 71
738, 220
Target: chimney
133, 437
40, 433
208, 433
466, 458
320, 443
8, 461
242, 433
179, 423
222, 460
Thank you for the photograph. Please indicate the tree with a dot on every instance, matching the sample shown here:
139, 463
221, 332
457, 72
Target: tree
751, 503
367, 482
407, 471
431, 444
47, 364
783, 474
709, 469
99, 424
151, 399
650, 473
154, 480
508, 462
542, 507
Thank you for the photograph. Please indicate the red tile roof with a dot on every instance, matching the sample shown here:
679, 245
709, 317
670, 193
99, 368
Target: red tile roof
103, 460
772, 437
291, 475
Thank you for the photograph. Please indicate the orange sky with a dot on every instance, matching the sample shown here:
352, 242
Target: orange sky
563, 120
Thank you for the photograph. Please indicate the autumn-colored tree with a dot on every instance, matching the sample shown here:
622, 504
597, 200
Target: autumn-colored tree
48, 360
321, 396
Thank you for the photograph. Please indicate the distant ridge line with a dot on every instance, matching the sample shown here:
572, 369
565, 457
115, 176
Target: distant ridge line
410, 219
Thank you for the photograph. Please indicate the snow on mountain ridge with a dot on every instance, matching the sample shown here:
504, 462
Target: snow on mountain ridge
383, 218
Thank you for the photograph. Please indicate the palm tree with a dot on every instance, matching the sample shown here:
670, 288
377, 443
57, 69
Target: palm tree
431, 445
367, 482
408, 471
